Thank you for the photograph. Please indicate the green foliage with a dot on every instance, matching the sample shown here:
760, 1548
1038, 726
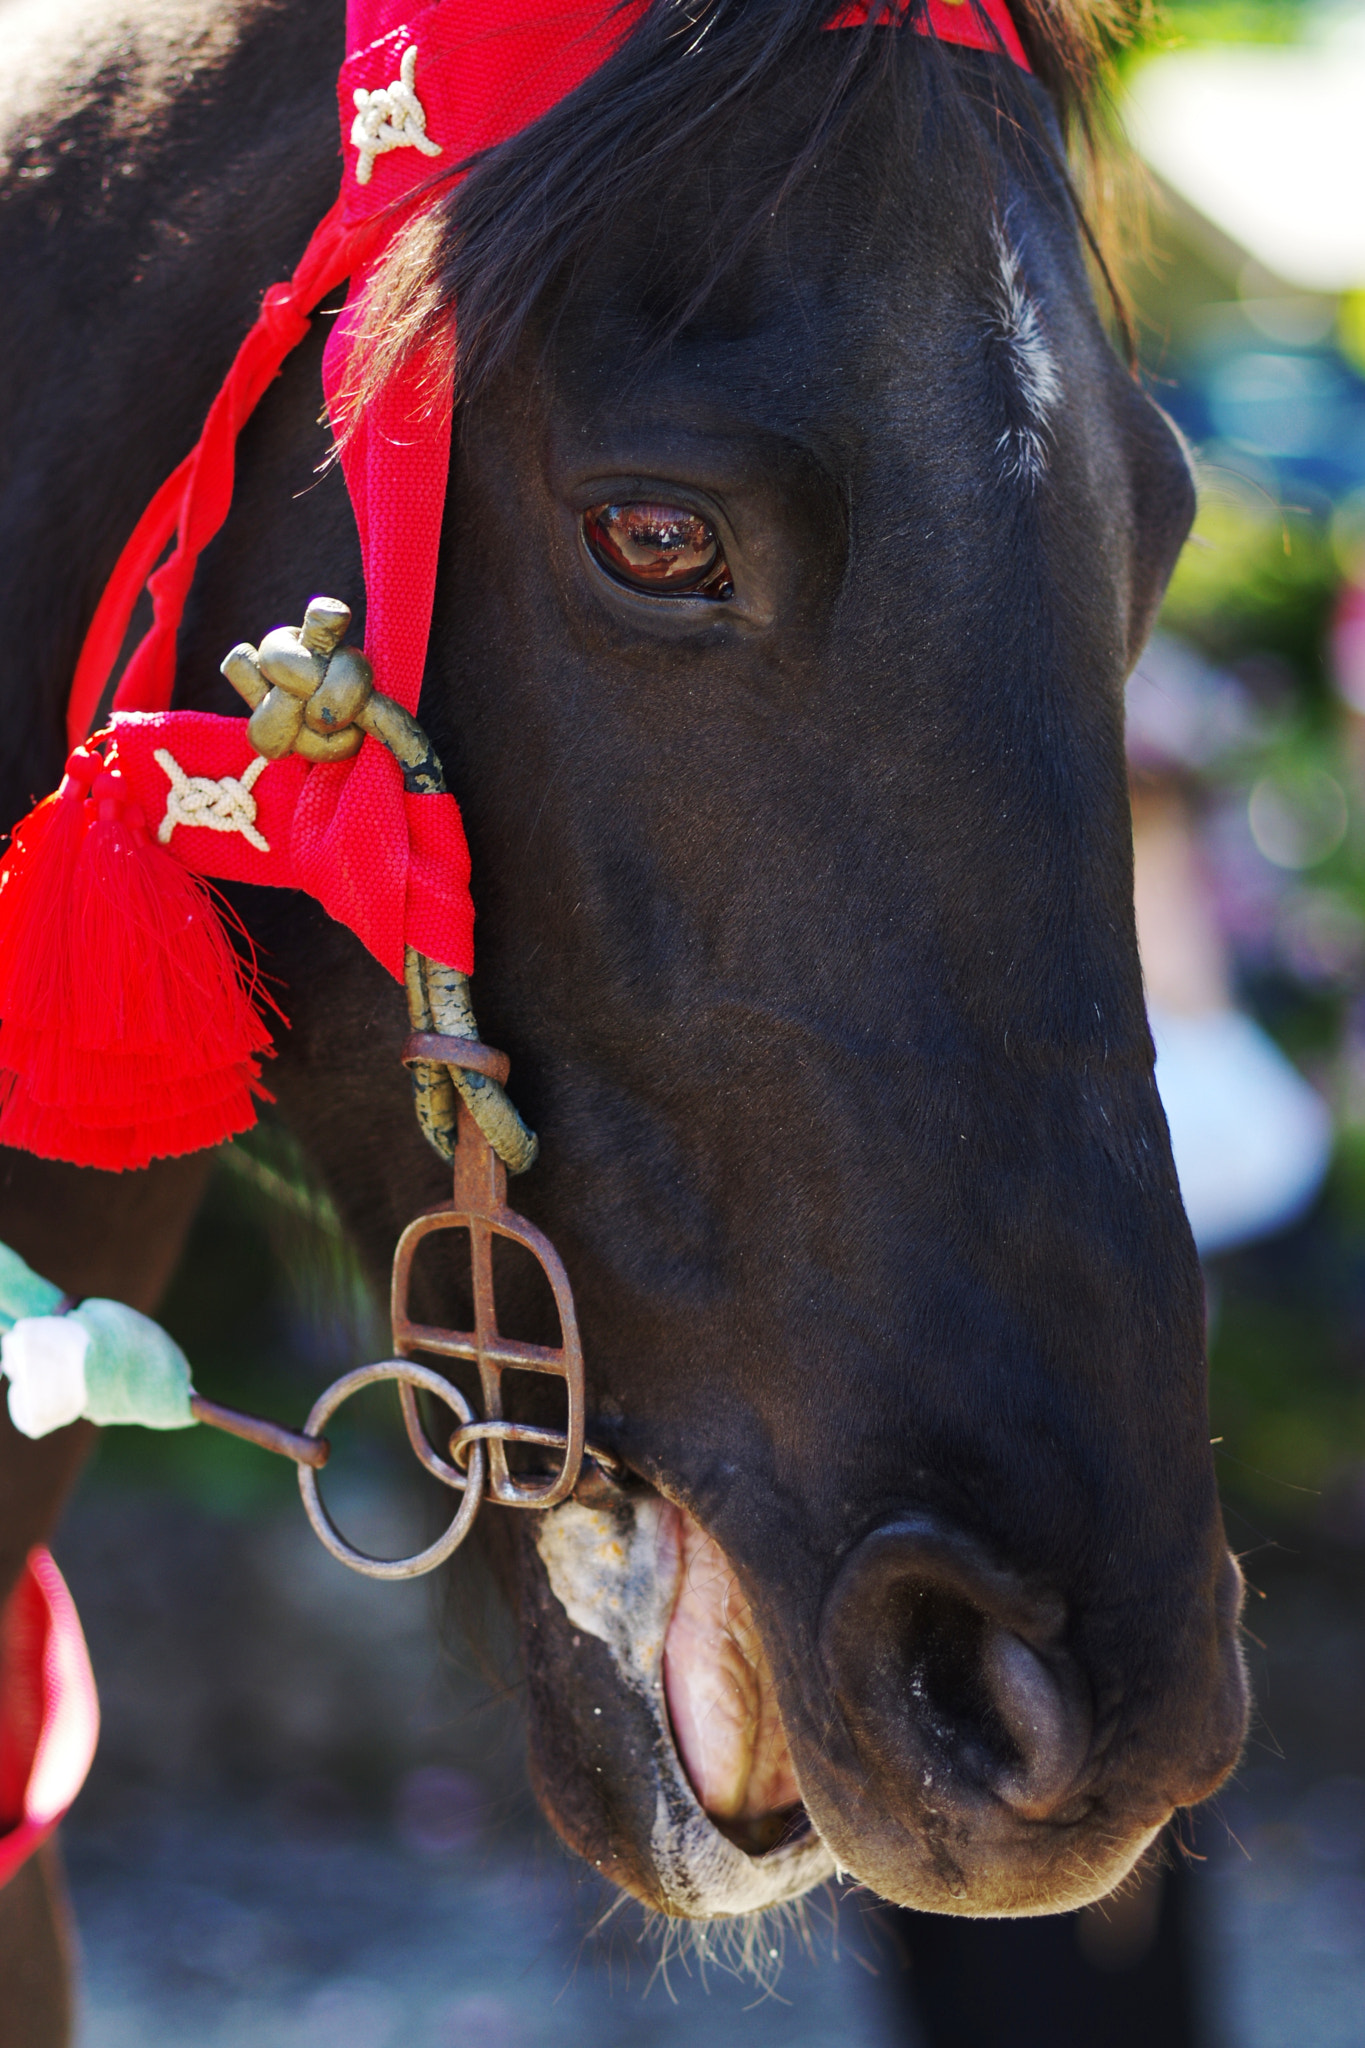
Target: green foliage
1178, 23
1256, 578
1287, 1402
269, 1306
1254, 590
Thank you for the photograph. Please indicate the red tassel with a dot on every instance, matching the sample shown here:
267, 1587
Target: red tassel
129, 1033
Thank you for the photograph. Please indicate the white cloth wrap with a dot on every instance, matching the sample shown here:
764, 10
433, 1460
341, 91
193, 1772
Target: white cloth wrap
44, 1358
103, 1361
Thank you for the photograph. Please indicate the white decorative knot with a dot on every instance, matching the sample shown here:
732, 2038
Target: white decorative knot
390, 118
226, 805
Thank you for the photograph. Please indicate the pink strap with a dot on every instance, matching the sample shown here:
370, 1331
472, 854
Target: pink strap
49, 1710
971, 24
391, 866
485, 70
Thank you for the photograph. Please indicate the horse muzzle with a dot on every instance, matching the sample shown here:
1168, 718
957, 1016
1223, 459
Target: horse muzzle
962, 1766
937, 1739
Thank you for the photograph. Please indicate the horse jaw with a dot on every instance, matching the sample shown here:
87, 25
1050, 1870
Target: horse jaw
640, 1575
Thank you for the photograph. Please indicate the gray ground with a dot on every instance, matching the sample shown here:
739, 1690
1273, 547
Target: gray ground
1285, 1922
307, 1827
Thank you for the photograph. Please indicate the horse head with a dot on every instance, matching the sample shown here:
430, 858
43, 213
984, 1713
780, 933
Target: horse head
802, 530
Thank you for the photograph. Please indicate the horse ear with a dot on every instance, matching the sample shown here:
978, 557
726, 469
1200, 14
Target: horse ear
129, 1030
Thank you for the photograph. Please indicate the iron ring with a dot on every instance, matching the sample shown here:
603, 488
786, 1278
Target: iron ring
423, 1451
500, 1430
324, 1528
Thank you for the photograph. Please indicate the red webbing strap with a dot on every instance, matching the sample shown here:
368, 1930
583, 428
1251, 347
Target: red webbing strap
971, 24
49, 1710
195, 499
109, 627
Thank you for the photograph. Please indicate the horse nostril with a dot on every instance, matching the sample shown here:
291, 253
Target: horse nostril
951, 1675
939, 1643
1048, 1731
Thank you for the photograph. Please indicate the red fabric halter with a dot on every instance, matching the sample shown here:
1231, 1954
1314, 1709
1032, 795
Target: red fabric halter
111, 1053
383, 865
391, 866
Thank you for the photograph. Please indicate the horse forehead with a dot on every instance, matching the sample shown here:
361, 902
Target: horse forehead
824, 310
860, 348
800, 375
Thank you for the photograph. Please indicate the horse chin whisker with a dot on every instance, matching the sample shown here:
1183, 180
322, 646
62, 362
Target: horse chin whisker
750, 1947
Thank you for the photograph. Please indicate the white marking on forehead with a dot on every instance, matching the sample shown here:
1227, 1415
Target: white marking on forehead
1037, 377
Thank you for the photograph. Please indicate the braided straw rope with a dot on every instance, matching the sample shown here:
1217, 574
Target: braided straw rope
313, 696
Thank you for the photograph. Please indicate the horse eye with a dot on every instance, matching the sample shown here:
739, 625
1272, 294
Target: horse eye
660, 548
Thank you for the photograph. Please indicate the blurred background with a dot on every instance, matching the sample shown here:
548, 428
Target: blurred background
308, 1822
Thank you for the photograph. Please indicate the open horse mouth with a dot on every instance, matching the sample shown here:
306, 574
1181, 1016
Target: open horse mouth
722, 1703
730, 1834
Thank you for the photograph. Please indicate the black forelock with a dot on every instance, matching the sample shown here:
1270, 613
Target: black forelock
527, 216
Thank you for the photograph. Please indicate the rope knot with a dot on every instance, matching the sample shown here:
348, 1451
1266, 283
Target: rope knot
391, 117
284, 323
225, 805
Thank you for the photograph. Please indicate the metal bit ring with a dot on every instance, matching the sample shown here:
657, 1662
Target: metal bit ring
407, 1375
505, 1432
501, 1431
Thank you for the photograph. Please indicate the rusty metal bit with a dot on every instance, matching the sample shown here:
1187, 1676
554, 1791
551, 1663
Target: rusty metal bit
471, 1054
270, 1436
480, 1208
598, 1485
502, 1431
470, 1484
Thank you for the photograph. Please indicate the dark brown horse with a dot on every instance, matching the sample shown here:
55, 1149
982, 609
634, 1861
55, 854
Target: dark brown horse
804, 893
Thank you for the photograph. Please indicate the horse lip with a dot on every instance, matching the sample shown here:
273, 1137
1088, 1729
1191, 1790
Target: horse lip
600, 1560
692, 1869
719, 1689
1072, 1814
